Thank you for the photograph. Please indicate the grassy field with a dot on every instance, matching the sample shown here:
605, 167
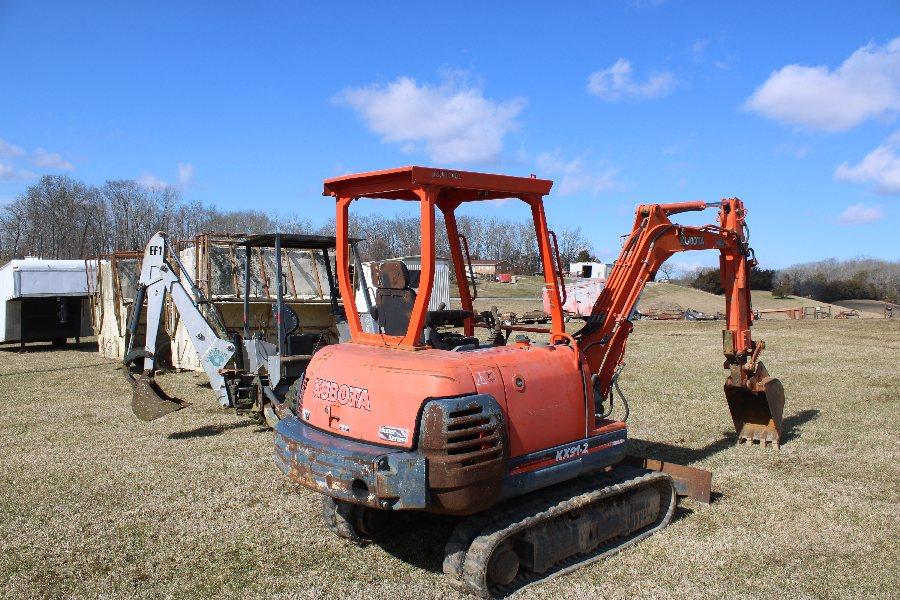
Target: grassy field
94, 502
689, 297
875, 307
526, 286
508, 297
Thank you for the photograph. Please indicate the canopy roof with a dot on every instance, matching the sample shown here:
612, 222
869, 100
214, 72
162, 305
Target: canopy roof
290, 240
462, 186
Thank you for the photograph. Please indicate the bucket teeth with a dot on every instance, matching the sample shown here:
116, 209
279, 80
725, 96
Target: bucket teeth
766, 438
756, 407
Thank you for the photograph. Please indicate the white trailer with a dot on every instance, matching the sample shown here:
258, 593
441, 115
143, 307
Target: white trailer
45, 300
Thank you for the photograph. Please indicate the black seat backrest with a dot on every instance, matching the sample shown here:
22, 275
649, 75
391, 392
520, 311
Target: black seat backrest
394, 297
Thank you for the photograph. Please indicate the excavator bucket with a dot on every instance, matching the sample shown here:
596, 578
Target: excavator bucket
757, 408
149, 402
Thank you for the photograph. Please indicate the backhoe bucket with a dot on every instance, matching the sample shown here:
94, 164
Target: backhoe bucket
757, 408
149, 402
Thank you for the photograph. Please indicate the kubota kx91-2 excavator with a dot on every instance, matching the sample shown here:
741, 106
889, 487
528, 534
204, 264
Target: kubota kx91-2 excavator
419, 416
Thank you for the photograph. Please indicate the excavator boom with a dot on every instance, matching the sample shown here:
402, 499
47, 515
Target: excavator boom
755, 399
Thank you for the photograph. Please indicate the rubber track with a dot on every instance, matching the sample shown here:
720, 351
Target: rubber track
338, 519
470, 546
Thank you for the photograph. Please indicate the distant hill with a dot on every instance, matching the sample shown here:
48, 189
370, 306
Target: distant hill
688, 297
526, 295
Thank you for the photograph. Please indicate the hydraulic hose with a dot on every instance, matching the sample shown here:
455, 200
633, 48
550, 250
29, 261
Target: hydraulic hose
614, 385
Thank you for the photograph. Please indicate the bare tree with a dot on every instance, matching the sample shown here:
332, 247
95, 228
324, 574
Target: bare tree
57, 217
667, 270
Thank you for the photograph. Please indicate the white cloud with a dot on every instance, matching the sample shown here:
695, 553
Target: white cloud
859, 214
185, 175
684, 268
8, 150
453, 121
40, 158
618, 83
8, 172
150, 181
865, 86
186, 172
50, 160
579, 175
680, 146
881, 166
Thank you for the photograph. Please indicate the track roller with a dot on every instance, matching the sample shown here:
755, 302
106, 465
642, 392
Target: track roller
557, 530
359, 524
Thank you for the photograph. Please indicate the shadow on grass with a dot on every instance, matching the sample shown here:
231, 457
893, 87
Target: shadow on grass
39, 347
420, 540
791, 428
679, 454
211, 430
84, 347
681, 512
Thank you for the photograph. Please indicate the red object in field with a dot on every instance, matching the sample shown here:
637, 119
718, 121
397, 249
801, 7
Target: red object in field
504, 278
580, 297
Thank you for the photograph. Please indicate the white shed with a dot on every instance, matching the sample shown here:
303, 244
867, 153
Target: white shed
45, 300
590, 270
440, 290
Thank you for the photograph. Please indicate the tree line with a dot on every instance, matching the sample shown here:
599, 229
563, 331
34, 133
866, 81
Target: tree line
59, 217
828, 280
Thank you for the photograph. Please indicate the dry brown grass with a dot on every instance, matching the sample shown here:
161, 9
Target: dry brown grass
526, 286
874, 307
94, 502
525, 298
688, 297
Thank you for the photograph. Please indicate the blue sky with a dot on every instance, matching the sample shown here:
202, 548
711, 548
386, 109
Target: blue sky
791, 106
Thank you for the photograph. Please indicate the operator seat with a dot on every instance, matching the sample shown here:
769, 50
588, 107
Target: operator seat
394, 297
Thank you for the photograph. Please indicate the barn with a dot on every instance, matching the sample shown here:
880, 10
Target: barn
491, 268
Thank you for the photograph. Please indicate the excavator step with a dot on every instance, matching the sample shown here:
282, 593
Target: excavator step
554, 531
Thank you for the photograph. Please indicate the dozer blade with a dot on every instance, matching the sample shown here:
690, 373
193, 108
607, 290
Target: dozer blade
757, 408
149, 402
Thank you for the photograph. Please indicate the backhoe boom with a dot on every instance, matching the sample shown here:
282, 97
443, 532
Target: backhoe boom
654, 239
159, 278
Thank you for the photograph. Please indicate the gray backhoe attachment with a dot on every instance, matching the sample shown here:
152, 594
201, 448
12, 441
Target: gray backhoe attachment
158, 278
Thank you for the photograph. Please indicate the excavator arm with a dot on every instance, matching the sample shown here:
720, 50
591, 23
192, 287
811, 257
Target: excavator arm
756, 401
158, 278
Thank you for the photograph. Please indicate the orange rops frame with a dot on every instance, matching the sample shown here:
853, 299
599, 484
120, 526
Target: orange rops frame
444, 190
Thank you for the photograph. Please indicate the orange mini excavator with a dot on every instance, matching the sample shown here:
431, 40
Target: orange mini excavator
420, 414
